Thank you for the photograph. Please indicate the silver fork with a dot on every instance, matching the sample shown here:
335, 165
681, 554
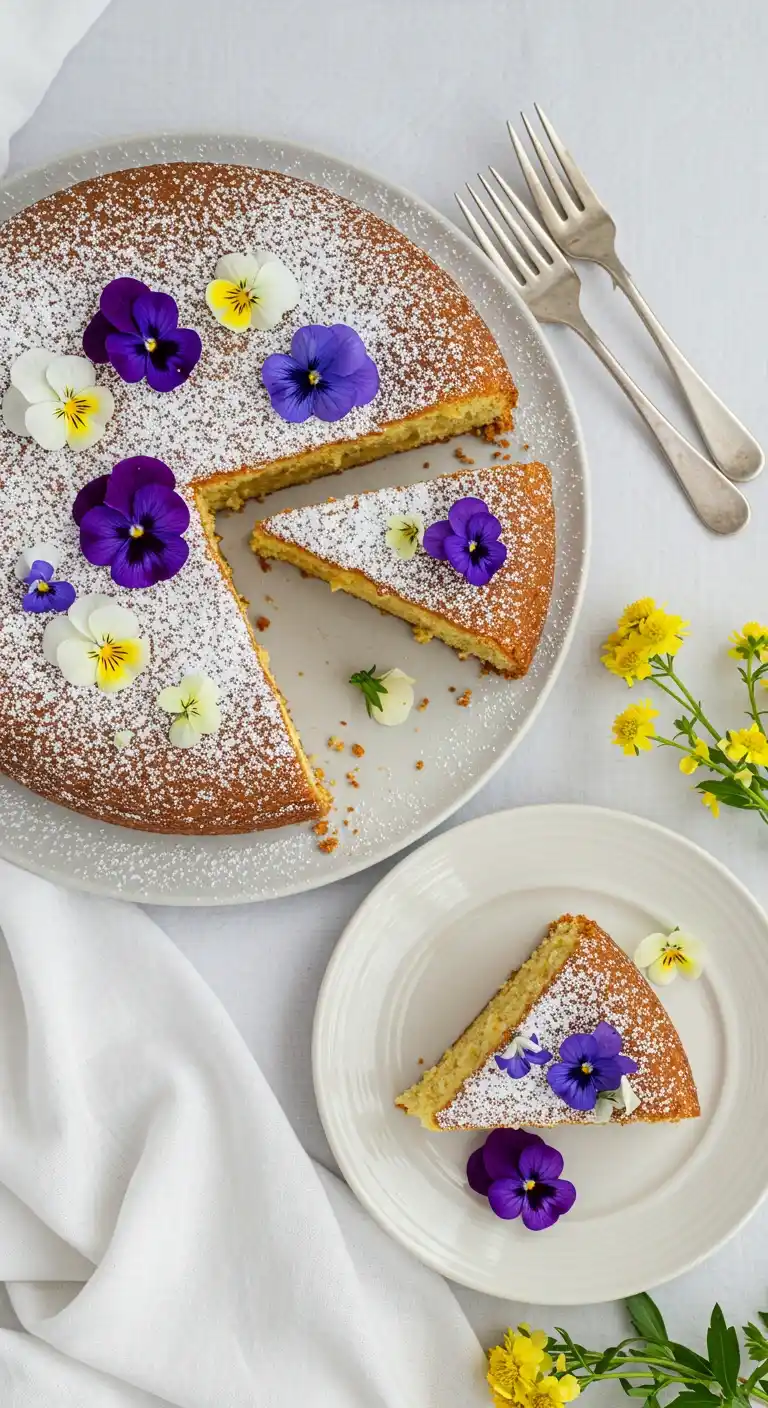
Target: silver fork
578, 221
550, 286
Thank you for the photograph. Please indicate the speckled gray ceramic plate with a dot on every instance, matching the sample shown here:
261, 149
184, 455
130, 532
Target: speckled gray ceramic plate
316, 641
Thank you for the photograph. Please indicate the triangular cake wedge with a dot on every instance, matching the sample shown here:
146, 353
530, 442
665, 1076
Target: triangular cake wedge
576, 978
343, 542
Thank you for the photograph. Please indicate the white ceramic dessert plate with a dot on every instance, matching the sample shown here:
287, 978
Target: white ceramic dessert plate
316, 641
420, 958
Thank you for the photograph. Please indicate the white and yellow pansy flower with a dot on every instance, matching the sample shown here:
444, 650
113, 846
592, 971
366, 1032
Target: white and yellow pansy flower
625, 1100
56, 400
663, 956
251, 290
195, 702
405, 533
97, 643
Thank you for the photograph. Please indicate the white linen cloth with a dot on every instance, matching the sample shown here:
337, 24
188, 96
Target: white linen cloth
142, 1149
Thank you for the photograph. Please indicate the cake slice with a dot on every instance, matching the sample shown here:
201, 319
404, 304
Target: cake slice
576, 978
344, 542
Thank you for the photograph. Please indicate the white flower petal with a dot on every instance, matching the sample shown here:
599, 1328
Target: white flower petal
112, 620
692, 948
46, 426
208, 717
69, 374
28, 374
14, 411
84, 439
59, 629
76, 663
629, 1098
277, 291
80, 610
604, 1109
183, 734
170, 699
397, 703
105, 404
39, 552
661, 974
692, 969
204, 689
234, 267
649, 950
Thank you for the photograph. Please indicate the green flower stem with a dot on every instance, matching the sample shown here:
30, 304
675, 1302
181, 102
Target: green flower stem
756, 800
692, 703
755, 712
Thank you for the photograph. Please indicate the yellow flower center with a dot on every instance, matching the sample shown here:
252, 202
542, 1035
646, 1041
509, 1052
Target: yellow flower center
529, 1184
73, 409
586, 1068
473, 545
313, 377
671, 956
136, 530
151, 344
110, 654
240, 297
42, 586
627, 730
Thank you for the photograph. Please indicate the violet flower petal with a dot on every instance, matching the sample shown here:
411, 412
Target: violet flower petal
477, 1174
502, 1150
158, 507
538, 1057
540, 1162
61, 596
156, 315
606, 1074
333, 398
482, 528
312, 345
117, 300
285, 384
608, 1040
366, 380
457, 552
540, 1211
40, 571
507, 1197
103, 531
132, 474
565, 1084
478, 574
173, 553
89, 496
345, 354
433, 542
173, 359
132, 568
577, 1049
515, 1066
460, 513
626, 1065
128, 355
95, 338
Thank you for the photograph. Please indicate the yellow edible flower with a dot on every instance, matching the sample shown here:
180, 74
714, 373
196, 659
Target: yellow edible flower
752, 636
748, 745
553, 1393
633, 615
662, 633
710, 800
514, 1366
630, 659
689, 764
633, 730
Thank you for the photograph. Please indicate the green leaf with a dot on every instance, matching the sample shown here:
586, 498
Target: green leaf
372, 688
731, 794
756, 1342
723, 1350
647, 1318
638, 1390
691, 1360
762, 1315
604, 1364
696, 1397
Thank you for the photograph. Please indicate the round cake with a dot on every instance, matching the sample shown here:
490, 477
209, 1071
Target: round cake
440, 373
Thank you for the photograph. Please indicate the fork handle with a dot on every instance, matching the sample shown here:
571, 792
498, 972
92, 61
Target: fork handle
730, 443
718, 503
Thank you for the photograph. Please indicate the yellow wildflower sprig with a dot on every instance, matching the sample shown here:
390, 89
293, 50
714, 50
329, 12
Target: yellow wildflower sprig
643, 647
646, 1364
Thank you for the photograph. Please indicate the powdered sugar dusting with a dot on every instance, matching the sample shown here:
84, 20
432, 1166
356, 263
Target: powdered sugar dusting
596, 984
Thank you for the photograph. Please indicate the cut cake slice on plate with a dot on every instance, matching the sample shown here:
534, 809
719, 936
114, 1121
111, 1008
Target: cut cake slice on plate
343, 541
575, 979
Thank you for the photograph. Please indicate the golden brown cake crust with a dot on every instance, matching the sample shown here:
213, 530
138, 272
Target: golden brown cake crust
168, 225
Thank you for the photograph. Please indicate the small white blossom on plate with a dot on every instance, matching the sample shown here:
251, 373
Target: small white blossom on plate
388, 697
97, 643
56, 400
123, 737
251, 290
663, 956
404, 535
40, 552
625, 1100
195, 703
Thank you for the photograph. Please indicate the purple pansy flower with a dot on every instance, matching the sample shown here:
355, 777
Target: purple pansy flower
138, 332
588, 1065
469, 540
520, 1176
327, 373
43, 594
131, 520
520, 1054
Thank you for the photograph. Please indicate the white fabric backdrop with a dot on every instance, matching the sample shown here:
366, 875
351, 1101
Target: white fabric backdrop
666, 106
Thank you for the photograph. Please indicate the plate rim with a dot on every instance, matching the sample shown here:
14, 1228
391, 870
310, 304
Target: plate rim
100, 886
356, 924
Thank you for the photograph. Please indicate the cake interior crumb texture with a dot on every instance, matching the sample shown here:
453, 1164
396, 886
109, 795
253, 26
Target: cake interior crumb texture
441, 373
576, 978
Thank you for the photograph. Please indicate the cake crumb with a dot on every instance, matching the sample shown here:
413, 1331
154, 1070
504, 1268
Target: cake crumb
343, 723
329, 844
263, 623
321, 828
320, 774
269, 598
422, 705
451, 689
463, 699
425, 464
462, 456
504, 443
358, 750
496, 455
350, 809
336, 744
264, 565
420, 765
421, 1060
526, 446
352, 780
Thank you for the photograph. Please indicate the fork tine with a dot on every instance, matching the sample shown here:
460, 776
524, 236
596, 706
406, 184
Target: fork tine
487, 246
540, 196
535, 228
564, 196
523, 268
534, 254
573, 172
